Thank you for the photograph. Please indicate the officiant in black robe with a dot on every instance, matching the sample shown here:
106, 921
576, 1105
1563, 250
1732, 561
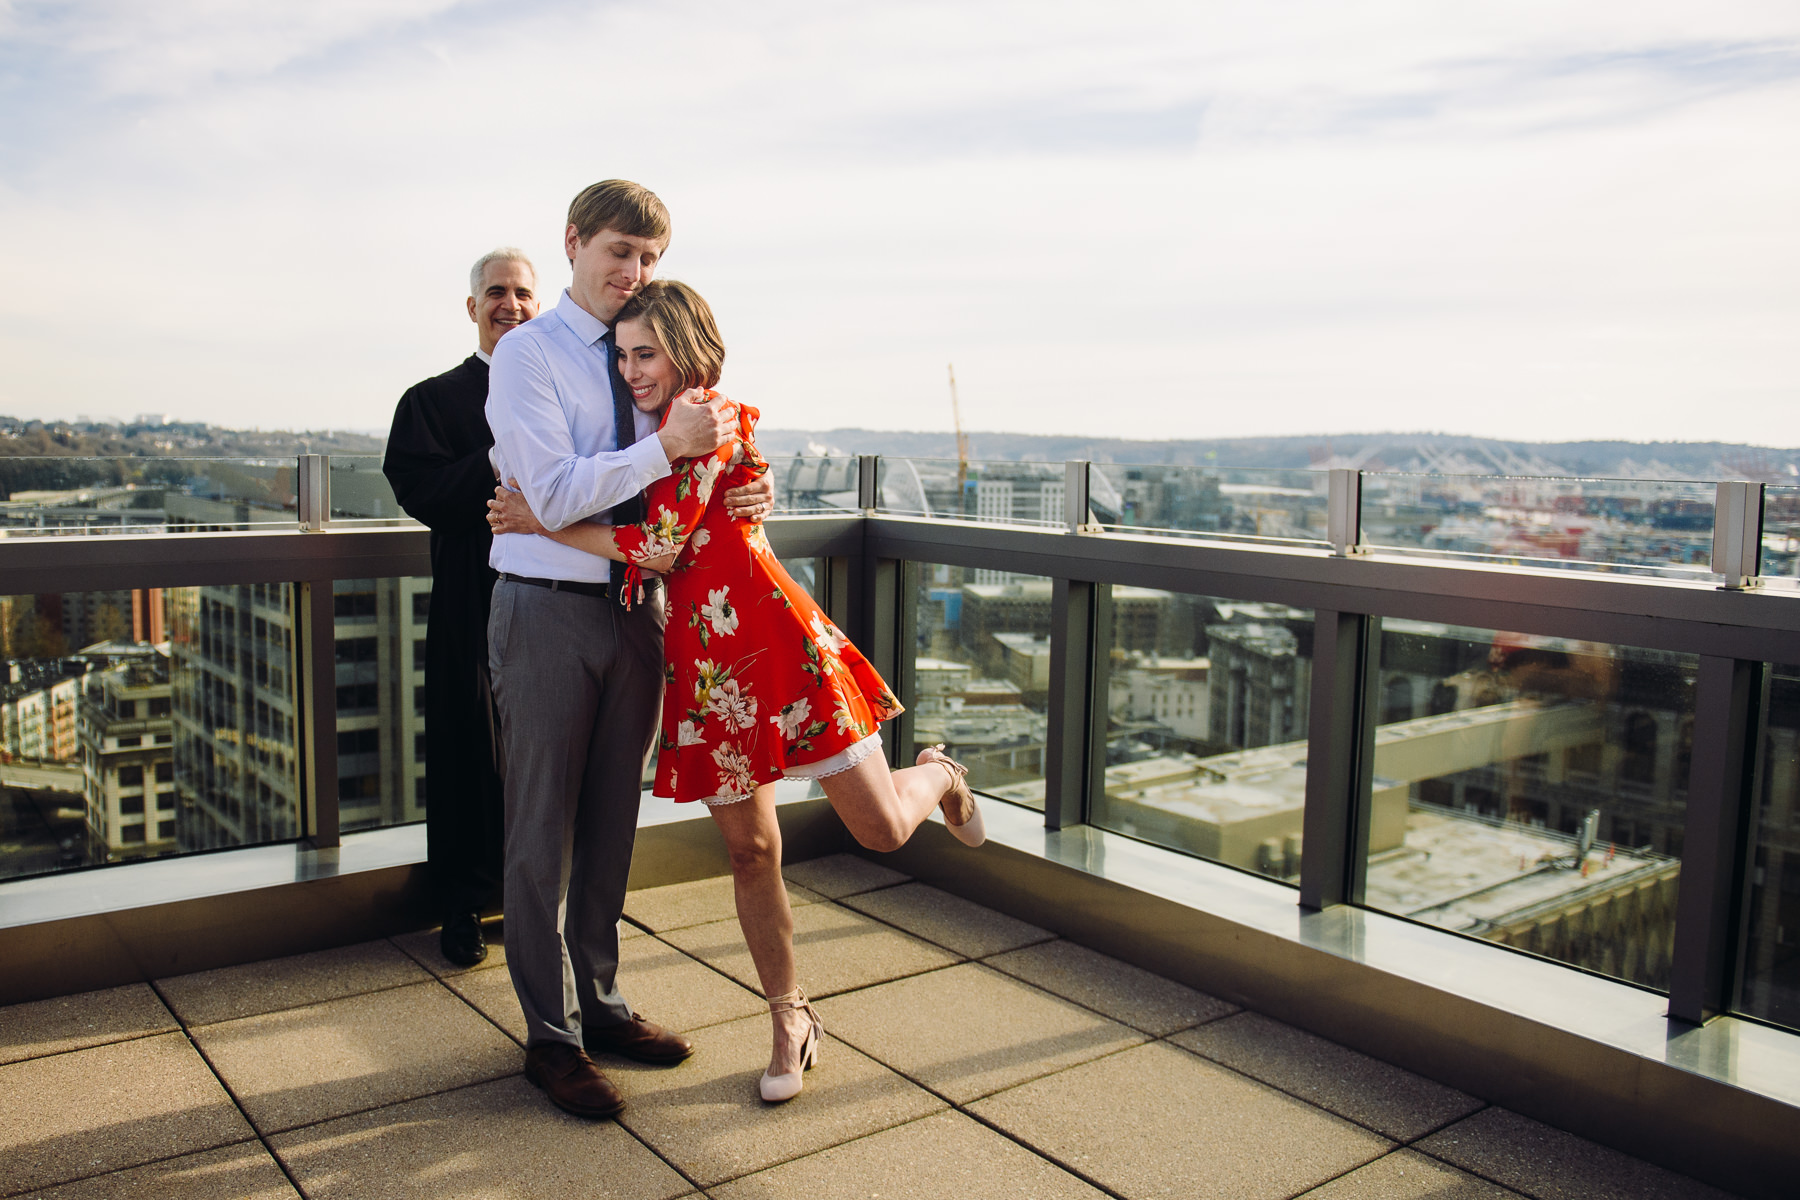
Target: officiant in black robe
437, 463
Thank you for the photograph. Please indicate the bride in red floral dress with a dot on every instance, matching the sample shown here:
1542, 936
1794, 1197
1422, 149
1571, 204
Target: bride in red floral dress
760, 683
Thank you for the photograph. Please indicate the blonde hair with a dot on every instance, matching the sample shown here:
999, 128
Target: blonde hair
683, 323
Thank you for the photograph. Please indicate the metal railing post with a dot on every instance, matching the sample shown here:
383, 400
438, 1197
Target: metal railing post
315, 657
1343, 511
1339, 758
1728, 698
1737, 533
313, 491
868, 492
1077, 509
1075, 729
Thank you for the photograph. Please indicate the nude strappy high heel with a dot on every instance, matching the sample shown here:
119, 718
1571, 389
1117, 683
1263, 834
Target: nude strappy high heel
972, 832
777, 1088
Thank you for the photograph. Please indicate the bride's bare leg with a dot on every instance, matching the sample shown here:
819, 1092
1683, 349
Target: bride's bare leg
753, 839
881, 808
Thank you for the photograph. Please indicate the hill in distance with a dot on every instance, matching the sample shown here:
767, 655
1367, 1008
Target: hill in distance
1434, 453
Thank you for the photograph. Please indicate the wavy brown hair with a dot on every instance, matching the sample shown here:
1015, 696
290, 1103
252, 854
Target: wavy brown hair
683, 323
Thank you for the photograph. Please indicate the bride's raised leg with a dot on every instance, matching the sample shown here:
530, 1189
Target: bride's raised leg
881, 808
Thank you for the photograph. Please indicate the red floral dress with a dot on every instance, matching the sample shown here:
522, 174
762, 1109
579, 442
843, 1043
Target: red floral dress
758, 678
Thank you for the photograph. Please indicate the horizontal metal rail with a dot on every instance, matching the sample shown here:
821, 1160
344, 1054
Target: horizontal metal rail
1656, 613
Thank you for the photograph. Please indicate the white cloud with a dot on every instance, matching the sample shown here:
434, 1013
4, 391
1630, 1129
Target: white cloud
1533, 220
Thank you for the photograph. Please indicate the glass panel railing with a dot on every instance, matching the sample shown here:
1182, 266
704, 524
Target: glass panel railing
144, 722
1645, 526
1261, 504
1532, 791
982, 676
814, 483
1781, 537
1207, 704
1016, 493
236, 714
1771, 956
361, 495
379, 627
103, 496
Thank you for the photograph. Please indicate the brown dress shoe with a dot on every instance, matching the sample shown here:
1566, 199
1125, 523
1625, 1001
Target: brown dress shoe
645, 1041
571, 1080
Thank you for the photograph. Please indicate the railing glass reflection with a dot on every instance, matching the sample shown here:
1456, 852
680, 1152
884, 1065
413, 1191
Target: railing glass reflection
379, 663
1771, 958
1207, 704
1014, 493
361, 496
1286, 506
1644, 526
982, 676
1532, 791
814, 483
111, 496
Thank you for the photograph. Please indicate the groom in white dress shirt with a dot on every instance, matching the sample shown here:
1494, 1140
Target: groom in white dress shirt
577, 678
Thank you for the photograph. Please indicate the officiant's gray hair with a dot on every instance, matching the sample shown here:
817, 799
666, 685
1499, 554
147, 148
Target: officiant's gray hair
504, 254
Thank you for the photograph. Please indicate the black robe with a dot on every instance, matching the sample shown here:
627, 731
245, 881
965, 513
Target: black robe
438, 465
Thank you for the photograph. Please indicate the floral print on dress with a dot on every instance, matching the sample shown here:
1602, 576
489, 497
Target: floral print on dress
757, 678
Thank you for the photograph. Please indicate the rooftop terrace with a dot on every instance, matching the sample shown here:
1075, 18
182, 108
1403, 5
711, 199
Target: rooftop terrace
970, 1054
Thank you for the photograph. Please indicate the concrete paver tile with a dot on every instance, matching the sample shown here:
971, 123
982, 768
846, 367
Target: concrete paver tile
118, 1014
490, 992
950, 921
673, 989
494, 1140
241, 1172
1404, 1175
1387, 1099
837, 950
838, 875
1123, 992
75, 1115
705, 1115
969, 1031
679, 905
1159, 1121
1548, 1164
941, 1157
207, 997
422, 946
308, 1064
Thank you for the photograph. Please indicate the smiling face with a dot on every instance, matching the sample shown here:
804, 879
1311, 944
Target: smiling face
648, 370
508, 298
609, 268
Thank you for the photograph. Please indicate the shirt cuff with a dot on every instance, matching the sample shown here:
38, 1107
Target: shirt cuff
648, 459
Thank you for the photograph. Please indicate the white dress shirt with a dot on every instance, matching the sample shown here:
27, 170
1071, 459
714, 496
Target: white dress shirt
550, 406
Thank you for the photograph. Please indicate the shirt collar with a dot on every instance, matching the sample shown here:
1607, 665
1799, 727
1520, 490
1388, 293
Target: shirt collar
484, 356
586, 326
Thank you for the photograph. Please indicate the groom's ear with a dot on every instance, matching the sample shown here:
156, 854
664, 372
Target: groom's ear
571, 242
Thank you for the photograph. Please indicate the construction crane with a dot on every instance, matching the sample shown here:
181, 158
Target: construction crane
962, 447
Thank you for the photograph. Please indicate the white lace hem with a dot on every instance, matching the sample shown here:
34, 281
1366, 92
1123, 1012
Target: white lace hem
837, 764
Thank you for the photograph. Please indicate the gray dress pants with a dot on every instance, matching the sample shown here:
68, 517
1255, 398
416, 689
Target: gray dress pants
578, 684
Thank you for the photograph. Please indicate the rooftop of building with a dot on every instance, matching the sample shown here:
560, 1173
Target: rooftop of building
968, 1053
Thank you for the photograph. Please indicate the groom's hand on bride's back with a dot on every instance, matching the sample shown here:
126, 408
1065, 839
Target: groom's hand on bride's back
697, 425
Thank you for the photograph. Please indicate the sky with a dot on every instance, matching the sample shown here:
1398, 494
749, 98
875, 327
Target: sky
1535, 221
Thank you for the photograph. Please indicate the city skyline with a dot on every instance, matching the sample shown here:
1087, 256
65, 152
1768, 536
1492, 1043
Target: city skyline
1193, 220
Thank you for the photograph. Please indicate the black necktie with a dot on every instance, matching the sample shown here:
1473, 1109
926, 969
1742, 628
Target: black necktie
628, 512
